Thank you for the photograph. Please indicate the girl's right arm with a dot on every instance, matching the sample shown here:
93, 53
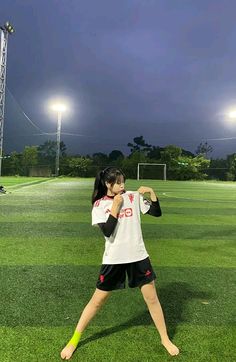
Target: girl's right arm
117, 202
109, 226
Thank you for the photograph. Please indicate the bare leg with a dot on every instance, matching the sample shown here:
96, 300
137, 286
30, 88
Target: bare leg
154, 306
98, 299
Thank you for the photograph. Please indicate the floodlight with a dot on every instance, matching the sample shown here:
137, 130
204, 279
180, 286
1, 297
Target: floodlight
232, 114
9, 28
59, 107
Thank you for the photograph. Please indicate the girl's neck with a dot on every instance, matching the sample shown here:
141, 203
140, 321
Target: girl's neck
110, 194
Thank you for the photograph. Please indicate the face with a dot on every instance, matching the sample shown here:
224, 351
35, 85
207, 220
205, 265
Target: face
117, 188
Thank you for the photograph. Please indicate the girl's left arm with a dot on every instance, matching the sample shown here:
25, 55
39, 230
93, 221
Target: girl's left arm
155, 209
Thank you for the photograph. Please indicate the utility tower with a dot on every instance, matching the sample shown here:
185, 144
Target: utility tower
4, 32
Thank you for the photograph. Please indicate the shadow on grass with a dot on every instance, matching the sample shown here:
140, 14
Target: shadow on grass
173, 298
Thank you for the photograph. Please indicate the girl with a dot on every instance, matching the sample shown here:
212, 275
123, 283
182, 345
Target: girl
117, 213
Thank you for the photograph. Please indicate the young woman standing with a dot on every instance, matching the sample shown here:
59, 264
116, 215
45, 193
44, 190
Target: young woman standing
117, 213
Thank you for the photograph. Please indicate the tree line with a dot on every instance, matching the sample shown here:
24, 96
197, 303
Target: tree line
181, 164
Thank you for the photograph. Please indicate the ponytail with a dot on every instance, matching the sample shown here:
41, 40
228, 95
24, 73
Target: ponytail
110, 175
100, 188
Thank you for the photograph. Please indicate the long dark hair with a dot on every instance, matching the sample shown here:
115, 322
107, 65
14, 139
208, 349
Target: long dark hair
110, 175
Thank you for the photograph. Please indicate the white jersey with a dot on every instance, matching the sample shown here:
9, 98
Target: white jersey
126, 244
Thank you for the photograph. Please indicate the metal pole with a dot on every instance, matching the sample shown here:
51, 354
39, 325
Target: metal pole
58, 143
3, 68
165, 172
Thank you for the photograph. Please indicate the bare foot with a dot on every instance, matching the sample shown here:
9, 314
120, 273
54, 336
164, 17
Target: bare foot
170, 347
67, 352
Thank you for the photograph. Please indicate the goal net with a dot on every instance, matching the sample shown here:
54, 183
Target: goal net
156, 171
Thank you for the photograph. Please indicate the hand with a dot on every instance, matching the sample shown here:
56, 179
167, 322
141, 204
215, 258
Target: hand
143, 190
118, 200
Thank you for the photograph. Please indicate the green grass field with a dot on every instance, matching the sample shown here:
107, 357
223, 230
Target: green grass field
50, 259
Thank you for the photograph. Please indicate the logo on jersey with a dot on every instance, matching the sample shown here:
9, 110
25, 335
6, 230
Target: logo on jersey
128, 212
96, 204
146, 202
131, 197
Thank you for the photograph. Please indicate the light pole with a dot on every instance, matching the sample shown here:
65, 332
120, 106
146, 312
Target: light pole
4, 31
59, 108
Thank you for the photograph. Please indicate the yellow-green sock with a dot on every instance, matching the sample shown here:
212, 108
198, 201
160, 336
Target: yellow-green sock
75, 339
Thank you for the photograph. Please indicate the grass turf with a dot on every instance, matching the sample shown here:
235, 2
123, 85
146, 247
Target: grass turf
50, 258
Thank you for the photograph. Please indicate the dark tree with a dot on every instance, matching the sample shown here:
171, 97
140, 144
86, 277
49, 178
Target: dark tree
204, 149
155, 153
187, 153
139, 145
100, 159
115, 155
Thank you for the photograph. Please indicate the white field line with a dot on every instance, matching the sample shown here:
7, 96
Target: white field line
192, 199
28, 184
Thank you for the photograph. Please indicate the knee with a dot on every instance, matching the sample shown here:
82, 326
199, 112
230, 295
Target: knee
98, 302
149, 294
150, 299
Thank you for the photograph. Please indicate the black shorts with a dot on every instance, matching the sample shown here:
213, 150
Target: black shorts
113, 276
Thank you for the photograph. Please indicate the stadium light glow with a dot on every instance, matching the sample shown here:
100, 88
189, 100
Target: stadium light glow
59, 107
232, 114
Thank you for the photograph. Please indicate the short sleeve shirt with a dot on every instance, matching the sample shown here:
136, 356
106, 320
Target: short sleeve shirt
126, 244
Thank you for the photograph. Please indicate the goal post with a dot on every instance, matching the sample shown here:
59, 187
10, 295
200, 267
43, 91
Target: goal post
152, 164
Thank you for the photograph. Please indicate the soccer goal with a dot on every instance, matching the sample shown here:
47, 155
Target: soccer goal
144, 169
